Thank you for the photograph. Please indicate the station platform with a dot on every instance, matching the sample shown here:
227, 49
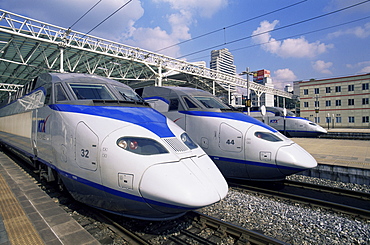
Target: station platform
29, 216
345, 160
338, 152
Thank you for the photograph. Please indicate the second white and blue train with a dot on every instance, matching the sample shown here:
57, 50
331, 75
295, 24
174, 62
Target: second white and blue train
241, 146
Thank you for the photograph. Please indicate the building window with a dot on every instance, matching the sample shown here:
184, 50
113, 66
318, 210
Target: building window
365, 101
351, 101
305, 104
328, 103
338, 89
327, 90
317, 90
305, 91
317, 103
351, 119
338, 119
365, 86
338, 103
317, 120
351, 87
365, 119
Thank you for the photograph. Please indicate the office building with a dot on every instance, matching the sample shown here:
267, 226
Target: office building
222, 60
336, 102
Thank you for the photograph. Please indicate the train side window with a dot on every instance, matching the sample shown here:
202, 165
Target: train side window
189, 103
60, 94
174, 105
48, 90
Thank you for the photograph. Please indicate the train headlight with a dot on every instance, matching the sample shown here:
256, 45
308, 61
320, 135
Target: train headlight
187, 141
141, 146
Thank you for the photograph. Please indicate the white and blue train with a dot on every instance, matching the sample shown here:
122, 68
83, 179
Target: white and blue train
102, 143
289, 125
241, 146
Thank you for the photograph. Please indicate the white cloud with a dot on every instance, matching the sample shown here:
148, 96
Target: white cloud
297, 48
358, 31
366, 69
183, 16
322, 66
180, 24
361, 67
204, 8
283, 77
154, 39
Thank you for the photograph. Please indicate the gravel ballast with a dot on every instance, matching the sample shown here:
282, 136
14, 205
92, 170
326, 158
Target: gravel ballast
292, 223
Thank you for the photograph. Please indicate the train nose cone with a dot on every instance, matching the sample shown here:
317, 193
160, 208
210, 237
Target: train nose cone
293, 158
322, 130
181, 186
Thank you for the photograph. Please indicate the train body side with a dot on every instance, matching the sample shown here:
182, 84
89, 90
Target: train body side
77, 144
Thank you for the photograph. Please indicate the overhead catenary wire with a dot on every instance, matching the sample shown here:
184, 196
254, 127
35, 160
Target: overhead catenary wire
84, 14
101, 22
232, 25
296, 35
279, 28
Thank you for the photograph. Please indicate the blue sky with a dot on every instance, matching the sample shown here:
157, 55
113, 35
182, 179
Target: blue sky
284, 41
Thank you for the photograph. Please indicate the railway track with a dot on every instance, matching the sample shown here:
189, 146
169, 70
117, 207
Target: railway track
201, 229
336, 199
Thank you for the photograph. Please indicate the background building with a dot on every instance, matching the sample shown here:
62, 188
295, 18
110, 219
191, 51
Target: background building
339, 102
222, 60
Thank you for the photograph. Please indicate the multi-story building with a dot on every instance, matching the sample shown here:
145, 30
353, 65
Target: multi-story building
222, 60
336, 102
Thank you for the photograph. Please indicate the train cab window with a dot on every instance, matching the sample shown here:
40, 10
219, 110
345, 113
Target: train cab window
48, 90
210, 102
267, 136
60, 94
174, 105
91, 92
128, 94
189, 103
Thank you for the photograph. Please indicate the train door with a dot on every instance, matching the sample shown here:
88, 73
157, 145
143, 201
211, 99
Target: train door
86, 151
299, 125
34, 134
230, 143
174, 114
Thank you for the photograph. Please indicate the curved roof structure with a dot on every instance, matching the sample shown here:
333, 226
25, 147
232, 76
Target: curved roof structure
29, 47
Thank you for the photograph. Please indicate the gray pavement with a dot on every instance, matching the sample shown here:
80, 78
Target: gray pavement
348, 153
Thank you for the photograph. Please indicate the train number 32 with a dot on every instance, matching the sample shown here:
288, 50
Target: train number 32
84, 153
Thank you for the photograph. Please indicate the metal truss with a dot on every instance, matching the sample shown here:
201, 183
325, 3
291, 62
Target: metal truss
9, 87
29, 47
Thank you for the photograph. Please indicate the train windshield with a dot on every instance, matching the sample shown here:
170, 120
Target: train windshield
290, 114
128, 94
91, 92
210, 102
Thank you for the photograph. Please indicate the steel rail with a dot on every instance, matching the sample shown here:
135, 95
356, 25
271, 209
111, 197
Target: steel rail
335, 206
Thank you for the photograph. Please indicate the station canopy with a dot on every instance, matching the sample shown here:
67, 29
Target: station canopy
29, 47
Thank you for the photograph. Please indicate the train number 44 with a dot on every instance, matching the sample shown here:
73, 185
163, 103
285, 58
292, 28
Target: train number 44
230, 142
